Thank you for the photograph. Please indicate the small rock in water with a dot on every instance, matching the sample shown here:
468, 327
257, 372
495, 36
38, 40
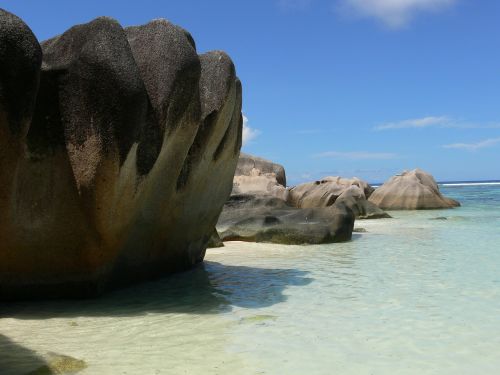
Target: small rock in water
215, 240
258, 318
60, 364
439, 218
360, 230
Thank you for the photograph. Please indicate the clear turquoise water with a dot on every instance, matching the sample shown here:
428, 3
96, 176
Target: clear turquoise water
412, 295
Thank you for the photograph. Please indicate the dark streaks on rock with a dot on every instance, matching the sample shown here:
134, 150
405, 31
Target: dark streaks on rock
107, 174
20, 60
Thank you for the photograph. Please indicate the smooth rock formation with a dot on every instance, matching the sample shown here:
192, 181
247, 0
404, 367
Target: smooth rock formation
411, 190
258, 211
266, 218
324, 193
255, 175
247, 163
354, 198
117, 152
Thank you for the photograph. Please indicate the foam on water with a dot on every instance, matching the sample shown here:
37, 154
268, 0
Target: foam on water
488, 183
417, 294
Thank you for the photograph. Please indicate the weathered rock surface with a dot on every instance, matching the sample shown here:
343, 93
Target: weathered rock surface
215, 241
247, 162
411, 190
60, 364
258, 211
255, 175
117, 152
354, 198
352, 192
264, 218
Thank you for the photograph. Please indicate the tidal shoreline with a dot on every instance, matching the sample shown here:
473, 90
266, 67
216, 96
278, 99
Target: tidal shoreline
412, 295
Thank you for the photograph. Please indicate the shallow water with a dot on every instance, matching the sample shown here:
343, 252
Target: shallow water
417, 294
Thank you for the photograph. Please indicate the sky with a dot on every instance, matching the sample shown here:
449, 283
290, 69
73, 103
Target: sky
363, 88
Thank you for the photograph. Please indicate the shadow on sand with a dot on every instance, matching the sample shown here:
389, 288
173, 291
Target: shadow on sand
209, 288
16, 359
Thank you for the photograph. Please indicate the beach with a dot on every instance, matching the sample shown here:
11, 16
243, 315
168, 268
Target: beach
416, 294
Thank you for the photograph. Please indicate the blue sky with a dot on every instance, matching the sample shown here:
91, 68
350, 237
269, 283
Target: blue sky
361, 88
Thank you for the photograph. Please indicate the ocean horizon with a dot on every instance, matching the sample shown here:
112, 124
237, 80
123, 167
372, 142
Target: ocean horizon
452, 183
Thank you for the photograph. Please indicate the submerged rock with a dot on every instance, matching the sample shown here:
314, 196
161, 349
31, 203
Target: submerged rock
117, 152
360, 230
60, 364
260, 319
411, 190
269, 219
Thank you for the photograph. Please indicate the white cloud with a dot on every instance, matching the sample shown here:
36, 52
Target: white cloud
474, 146
249, 133
423, 122
436, 122
393, 13
357, 155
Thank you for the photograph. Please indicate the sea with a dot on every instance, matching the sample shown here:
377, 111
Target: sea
415, 294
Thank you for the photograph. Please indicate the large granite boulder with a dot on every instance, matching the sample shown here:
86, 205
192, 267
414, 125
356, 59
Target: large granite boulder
117, 152
352, 192
411, 190
255, 175
264, 218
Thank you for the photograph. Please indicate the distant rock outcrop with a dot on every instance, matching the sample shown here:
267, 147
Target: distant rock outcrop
258, 210
117, 152
255, 175
411, 190
352, 192
247, 163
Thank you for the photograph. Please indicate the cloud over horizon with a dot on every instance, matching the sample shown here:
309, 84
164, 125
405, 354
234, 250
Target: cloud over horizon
249, 133
393, 13
356, 155
474, 146
423, 122
434, 122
